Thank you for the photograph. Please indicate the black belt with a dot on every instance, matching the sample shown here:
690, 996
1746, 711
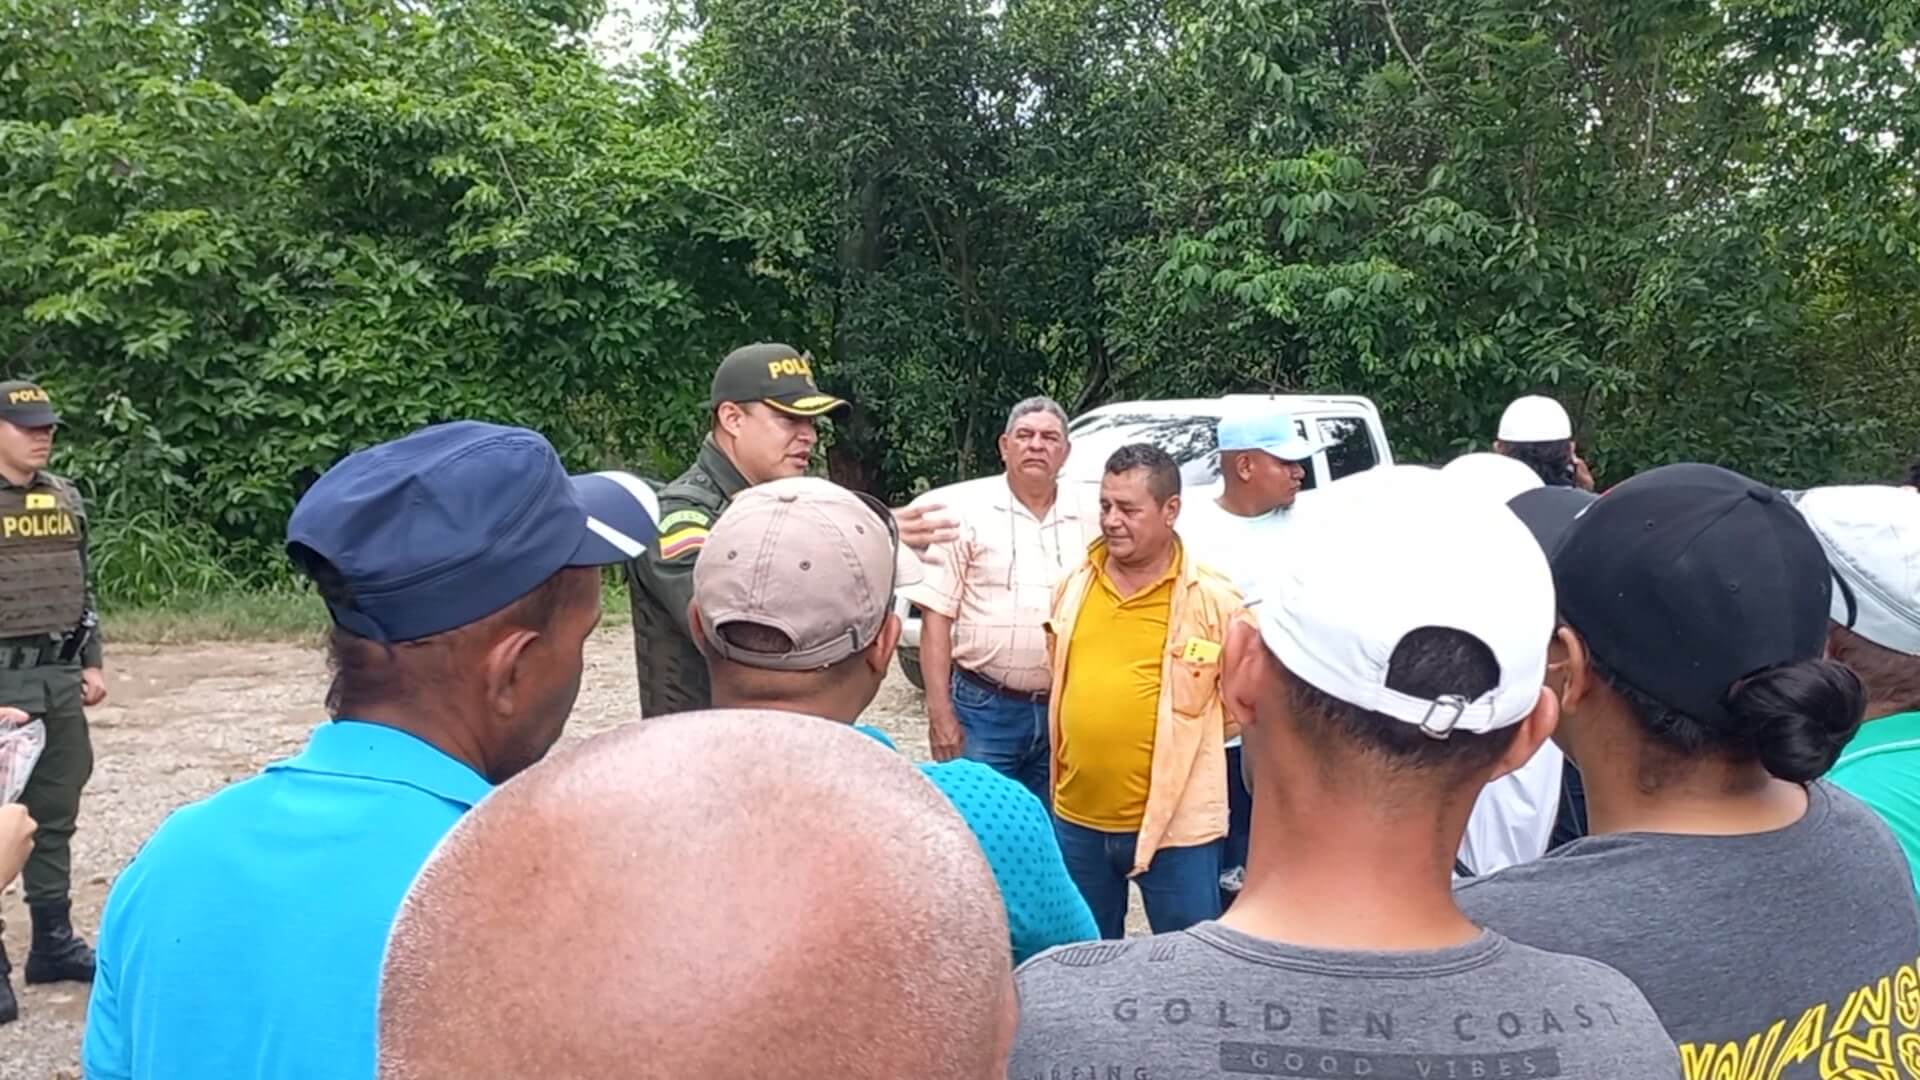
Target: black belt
1032, 697
15, 657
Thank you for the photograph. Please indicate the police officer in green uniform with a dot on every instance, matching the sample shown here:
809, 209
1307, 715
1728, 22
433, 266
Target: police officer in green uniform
50, 667
764, 406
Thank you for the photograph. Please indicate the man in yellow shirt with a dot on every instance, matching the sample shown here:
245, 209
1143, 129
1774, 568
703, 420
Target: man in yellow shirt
1136, 724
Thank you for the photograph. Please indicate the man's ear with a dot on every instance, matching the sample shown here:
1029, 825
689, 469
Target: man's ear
727, 416
1557, 650
1172, 509
502, 670
1580, 679
1244, 674
880, 653
1535, 729
1556, 663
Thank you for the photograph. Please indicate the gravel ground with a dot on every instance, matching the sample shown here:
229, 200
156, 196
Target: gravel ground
184, 721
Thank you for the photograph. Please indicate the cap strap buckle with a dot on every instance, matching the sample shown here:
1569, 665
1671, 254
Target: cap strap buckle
1442, 715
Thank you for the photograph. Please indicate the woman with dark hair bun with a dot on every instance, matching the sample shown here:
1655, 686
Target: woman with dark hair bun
1750, 899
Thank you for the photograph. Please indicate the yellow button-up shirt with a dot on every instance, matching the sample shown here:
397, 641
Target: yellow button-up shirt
1187, 780
1108, 713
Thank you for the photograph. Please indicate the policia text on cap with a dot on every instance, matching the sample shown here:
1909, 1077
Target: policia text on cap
50, 668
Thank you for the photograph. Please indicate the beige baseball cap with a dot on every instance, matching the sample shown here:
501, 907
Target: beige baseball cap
809, 558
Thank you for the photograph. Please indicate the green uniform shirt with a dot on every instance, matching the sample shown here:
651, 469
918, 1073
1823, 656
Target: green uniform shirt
1881, 767
93, 655
673, 674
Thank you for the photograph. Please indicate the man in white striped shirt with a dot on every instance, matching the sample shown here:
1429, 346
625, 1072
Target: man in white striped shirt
985, 598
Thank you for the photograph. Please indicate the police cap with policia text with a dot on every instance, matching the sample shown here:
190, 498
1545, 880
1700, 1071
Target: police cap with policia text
23, 404
777, 375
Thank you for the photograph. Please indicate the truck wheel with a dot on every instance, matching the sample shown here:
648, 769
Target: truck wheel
910, 667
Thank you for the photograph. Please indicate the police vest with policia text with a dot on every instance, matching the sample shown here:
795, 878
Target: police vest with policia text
43, 570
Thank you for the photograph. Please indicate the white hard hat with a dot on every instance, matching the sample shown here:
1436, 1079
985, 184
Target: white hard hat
1534, 419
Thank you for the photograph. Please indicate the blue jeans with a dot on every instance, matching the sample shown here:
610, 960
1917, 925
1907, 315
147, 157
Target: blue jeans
1180, 888
1006, 734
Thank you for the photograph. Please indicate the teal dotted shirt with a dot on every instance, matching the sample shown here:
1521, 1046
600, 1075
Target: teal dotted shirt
1044, 908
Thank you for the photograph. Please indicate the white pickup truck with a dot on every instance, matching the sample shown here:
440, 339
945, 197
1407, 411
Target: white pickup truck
1349, 426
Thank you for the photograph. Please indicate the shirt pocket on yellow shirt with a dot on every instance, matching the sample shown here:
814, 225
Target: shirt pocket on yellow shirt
1195, 684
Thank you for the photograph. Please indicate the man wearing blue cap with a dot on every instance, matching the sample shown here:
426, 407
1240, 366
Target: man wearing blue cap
459, 565
1234, 528
1263, 468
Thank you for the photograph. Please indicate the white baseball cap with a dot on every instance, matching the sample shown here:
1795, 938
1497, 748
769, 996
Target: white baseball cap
1393, 550
1872, 538
1494, 476
1534, 419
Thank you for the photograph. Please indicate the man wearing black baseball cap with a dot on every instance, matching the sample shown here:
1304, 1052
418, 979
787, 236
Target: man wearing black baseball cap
51, 669
460, 568
1760, 908
764, 405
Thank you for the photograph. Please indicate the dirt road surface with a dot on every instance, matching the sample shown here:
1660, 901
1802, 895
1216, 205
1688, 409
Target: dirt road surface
184, 721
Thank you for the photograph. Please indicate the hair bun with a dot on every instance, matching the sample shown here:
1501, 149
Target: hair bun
1799, 715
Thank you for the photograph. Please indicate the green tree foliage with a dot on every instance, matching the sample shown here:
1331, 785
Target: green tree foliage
240, 240
1635, 206
239, 237
1697, 225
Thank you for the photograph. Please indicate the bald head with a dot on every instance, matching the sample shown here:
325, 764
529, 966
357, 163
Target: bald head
713, 894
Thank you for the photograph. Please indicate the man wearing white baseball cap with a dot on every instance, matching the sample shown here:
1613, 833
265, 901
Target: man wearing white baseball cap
1396, 668
1872, 538
1536, 431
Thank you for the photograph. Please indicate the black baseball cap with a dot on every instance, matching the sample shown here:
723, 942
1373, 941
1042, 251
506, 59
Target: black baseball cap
1548, 512
1688, 578
450, 524
25, 405
778, 375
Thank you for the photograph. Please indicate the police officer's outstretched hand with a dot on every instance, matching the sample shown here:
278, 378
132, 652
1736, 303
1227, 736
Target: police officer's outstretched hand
93, 687
925, 525
16, 840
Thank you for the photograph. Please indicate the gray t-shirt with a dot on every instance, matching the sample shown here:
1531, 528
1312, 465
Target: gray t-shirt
1788, 955
1213, 1002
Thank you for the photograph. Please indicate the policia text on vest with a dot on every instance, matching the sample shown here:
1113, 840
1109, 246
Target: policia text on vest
50, 668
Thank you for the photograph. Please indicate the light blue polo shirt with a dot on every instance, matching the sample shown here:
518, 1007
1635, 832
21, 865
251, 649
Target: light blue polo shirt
1015, 832
245, 939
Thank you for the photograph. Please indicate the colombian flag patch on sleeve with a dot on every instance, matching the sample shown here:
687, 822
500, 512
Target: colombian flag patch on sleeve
681, 541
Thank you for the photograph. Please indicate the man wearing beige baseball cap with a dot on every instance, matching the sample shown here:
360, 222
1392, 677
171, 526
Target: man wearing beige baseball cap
793, 609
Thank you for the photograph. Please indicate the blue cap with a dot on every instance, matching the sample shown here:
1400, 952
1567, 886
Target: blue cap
454, 522
1272, 433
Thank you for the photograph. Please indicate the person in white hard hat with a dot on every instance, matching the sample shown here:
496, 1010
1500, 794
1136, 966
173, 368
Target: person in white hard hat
1536, 431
